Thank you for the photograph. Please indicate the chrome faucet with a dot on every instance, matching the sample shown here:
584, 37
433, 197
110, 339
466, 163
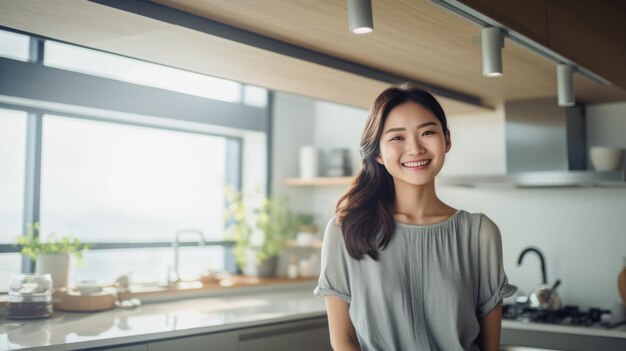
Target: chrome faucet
174, 277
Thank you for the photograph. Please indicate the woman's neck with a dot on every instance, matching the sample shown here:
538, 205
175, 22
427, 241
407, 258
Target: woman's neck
419, 204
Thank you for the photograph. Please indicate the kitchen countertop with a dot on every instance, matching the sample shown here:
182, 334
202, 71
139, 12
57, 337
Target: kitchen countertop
157, 321
617, 332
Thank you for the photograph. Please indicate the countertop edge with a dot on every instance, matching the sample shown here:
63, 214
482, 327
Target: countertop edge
164, 335
550, 328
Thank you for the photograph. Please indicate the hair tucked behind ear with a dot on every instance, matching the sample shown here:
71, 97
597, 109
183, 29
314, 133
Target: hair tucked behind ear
365, 211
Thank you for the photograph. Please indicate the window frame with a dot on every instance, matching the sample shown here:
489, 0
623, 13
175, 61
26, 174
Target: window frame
234, 145
34, 137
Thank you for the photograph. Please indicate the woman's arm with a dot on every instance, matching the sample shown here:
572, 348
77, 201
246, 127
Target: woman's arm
489, 335
342, 334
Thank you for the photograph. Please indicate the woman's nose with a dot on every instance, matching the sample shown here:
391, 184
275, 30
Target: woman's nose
414, 147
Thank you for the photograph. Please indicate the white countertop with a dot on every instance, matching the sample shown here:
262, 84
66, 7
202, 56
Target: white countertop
164, 320
617, 332
156, 321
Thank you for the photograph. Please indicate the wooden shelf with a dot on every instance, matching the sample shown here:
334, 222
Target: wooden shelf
198, 289
293, 243
320, 181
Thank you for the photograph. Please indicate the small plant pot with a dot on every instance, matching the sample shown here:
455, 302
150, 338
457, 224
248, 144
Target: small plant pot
267, 268
305, 239
306, 234
57, 266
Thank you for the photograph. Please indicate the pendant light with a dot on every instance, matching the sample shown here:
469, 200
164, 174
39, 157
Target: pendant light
565, 84
493, 42
360, 16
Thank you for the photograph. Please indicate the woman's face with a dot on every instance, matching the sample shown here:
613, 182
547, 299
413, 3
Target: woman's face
412, 144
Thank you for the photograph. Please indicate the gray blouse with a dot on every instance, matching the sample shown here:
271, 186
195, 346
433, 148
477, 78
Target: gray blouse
428, 288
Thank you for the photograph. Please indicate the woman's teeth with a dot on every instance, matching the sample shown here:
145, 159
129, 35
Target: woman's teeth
416, 164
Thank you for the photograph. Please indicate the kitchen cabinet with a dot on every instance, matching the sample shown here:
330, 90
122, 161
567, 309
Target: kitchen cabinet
224, 341
527, 17
529, 335
590, 33
304, 336
143, 347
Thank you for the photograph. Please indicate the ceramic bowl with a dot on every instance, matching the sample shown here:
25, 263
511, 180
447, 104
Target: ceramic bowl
605, 159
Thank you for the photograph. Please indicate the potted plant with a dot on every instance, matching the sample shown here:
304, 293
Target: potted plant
306, 229
260, 226
53, 255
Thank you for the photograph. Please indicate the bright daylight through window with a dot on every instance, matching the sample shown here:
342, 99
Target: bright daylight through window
105, 182
14, 46
12, 164
126, 181
106, 65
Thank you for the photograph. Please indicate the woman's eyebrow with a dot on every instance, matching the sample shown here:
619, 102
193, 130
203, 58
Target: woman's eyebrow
426, 124
400, 129
395, 130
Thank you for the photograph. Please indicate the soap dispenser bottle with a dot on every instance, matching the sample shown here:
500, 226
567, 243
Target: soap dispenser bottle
621, 282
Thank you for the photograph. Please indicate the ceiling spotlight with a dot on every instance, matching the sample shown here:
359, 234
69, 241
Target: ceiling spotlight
360, 16
565, 84
493, 42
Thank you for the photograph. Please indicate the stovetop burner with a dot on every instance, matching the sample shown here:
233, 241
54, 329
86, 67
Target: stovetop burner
569, 315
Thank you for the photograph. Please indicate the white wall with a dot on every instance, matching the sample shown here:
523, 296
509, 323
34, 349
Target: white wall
336, 126
579, 230
606, 125
582, 231
300, 121
478, 144
292, 126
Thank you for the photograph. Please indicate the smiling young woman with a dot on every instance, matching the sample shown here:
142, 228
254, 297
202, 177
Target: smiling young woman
402, 270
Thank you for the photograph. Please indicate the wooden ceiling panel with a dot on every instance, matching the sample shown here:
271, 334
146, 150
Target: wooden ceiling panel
416, 39
74, 21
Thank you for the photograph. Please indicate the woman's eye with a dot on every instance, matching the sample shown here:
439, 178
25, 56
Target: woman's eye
428, 132
396, 138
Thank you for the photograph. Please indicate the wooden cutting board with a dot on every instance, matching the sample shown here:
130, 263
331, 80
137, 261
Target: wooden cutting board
70, 300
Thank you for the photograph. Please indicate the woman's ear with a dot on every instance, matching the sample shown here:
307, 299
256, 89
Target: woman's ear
448, 141
379, 159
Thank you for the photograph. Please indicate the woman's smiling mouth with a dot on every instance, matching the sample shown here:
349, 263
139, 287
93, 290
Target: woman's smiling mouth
416, 164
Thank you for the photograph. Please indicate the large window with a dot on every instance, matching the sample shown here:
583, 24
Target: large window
14, 46
125, 181
148, 264
101, 64
105, 182
12, 165
121, 183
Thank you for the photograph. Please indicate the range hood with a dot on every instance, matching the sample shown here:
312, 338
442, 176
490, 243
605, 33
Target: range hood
546, 146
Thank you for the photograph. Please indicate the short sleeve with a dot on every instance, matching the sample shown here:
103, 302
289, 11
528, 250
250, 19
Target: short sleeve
493, 283
334, 278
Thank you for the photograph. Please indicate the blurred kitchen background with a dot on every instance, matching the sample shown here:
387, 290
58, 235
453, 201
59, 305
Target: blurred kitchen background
101, 141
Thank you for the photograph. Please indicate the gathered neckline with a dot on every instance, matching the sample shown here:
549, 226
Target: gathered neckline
445, 221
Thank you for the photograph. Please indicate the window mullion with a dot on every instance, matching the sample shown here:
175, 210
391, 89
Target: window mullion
32, 181
36, 51
234, 165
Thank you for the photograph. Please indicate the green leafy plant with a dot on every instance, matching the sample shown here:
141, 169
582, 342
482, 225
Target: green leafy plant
270, 217
305, 222
32, 246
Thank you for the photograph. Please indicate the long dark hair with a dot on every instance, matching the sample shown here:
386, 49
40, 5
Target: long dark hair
365, 211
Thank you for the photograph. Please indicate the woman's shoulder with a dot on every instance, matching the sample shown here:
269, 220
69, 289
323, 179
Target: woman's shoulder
478, 216
481, 221
487, 228
333, 230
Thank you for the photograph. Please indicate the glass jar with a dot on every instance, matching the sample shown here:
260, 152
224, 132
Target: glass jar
30, 296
